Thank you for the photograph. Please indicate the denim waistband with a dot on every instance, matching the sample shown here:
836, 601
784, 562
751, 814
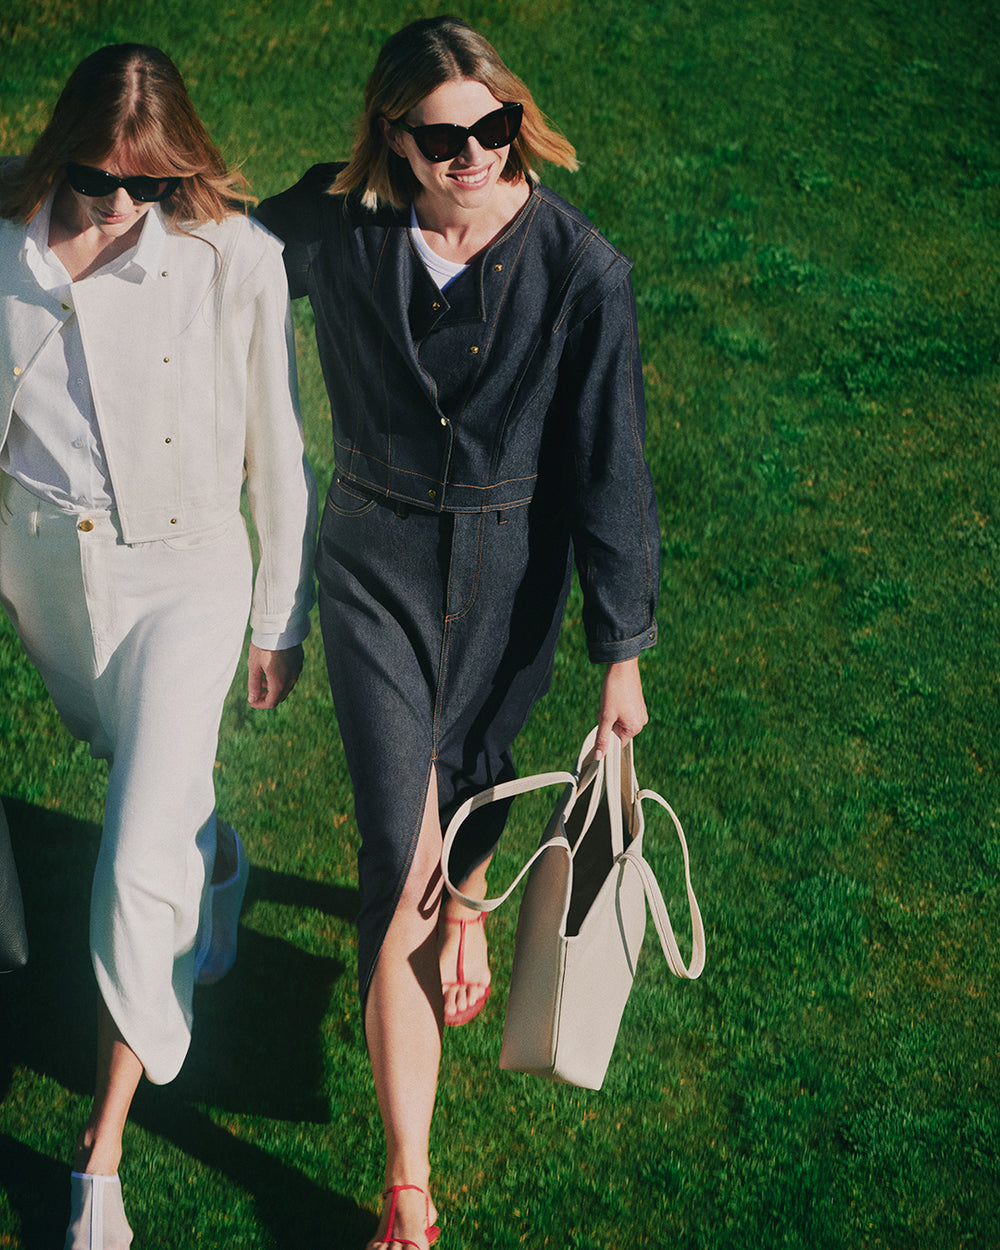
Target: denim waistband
402, 510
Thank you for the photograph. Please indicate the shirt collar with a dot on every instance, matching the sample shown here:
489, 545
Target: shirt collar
46, 269
138, 262
149, 250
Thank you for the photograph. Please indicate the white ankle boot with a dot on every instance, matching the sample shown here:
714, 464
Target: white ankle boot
97, 1215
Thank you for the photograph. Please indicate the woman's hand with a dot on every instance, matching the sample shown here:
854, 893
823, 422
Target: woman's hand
623, 708
271, 675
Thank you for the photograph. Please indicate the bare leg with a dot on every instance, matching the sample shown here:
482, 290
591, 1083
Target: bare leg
99, 1146
475, 954
403, 1024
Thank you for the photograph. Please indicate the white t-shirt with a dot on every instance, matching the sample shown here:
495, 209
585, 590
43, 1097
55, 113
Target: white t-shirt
442, 271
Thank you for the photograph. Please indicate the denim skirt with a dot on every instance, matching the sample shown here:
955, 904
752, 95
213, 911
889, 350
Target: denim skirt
440, 632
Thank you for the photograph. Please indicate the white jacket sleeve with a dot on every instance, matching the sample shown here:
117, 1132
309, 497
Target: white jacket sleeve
280, 484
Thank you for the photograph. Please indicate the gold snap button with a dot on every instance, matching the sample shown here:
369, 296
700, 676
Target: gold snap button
86, 526
18, 371
168, 440
432, 494
474, 350
173, 520
435, 306
444, 420
498, 268
166, 360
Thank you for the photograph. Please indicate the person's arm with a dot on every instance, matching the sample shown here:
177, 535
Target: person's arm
616, 535
295, 217
282, 493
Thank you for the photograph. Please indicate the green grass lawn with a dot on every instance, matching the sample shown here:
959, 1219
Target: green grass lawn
811, 195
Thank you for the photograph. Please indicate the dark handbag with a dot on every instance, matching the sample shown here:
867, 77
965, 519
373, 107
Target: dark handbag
13, 938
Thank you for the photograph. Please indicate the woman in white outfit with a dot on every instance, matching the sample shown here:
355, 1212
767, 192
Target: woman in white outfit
147, 368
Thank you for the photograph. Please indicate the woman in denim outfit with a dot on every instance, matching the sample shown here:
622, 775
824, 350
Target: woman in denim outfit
478, 342
146, 367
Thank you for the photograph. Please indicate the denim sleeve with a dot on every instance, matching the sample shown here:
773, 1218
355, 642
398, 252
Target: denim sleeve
294, 217
616, 535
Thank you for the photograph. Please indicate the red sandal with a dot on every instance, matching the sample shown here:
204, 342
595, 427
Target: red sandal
463, 1017
432, 1232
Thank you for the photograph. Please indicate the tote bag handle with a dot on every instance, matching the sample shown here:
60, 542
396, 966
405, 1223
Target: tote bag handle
658, 907
509, 790
608, 772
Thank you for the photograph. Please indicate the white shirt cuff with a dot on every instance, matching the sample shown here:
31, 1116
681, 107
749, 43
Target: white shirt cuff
281, 642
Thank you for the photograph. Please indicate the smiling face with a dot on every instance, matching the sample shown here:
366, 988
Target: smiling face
114, 215
468, 181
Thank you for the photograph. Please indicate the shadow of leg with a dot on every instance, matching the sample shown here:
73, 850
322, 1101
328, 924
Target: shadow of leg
297, 1212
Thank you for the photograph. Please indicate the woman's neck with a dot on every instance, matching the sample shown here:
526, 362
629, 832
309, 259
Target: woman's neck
81, 247
460, 236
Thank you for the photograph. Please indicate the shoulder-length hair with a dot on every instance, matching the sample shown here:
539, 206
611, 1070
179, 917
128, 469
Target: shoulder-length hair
414, 62
129, 98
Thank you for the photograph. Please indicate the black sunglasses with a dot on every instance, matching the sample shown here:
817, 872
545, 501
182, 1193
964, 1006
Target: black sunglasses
97, 183
443, 141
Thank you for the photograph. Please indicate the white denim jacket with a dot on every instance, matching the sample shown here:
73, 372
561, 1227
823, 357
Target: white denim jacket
192, 370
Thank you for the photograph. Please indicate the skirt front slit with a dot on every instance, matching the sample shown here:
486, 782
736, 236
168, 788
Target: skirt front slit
440, 632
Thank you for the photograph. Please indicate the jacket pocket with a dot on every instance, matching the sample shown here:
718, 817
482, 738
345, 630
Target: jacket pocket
345, 499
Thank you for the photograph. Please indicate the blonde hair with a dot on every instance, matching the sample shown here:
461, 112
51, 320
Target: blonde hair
129, 98
414, 62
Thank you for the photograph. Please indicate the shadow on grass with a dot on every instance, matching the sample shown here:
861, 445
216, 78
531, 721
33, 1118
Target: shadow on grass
38, 1190
255, 1049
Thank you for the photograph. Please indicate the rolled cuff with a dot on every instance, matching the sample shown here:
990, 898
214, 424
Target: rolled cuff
625, 649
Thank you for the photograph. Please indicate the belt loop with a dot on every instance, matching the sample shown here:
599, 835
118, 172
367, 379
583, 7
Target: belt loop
502, 516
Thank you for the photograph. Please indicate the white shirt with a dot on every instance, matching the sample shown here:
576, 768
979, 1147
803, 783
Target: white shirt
54, 446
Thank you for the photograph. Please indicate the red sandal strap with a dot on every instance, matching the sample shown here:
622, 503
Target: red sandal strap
460, 961
432, 1232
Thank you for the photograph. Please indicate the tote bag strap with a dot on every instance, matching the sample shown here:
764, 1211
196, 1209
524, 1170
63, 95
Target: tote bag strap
505, 790
659, 908
613, 789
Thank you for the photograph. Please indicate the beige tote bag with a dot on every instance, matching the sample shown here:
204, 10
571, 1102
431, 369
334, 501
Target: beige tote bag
582, 917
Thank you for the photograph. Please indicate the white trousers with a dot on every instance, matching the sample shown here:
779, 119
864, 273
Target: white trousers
138, 646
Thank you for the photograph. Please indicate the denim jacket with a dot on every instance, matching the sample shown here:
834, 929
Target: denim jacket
524, 378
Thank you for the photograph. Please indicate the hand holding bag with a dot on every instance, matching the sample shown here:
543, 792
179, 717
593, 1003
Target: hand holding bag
13, 938
582, 917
